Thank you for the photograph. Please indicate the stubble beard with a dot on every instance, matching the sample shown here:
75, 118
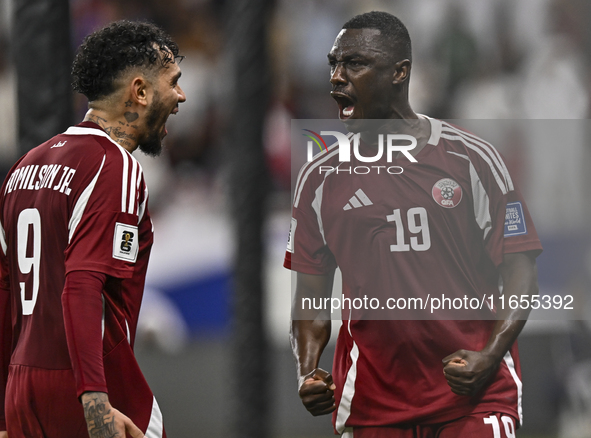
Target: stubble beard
152, 144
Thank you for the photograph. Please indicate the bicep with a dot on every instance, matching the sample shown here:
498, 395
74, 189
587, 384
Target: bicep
520, 271
313, 285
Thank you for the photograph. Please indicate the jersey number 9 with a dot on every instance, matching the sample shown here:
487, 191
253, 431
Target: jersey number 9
26, 218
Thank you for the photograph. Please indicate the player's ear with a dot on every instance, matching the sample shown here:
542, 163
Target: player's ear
139, 90
401, 72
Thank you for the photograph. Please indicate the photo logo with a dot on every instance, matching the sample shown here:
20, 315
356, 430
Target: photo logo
315, 140
392, 147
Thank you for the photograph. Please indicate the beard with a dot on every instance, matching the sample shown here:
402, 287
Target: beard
151, 144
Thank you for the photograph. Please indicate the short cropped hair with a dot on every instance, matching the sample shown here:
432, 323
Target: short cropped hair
110, 51
389, 26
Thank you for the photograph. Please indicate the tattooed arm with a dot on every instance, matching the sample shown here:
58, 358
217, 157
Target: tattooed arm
103, 420
82, 307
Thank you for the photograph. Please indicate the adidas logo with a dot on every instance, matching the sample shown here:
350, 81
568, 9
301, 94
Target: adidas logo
358, 200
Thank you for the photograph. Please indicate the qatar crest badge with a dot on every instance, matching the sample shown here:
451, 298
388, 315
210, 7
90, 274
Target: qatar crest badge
447, 193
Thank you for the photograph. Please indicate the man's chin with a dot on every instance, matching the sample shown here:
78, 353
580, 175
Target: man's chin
364, 125
151, 148
356, 125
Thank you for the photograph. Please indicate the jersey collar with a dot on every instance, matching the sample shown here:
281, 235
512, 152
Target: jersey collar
435, 130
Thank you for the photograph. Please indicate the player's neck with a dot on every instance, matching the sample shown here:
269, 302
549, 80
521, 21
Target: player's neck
417, 127
121, 129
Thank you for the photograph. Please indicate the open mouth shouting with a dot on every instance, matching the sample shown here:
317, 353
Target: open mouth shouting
346, 104
172, 113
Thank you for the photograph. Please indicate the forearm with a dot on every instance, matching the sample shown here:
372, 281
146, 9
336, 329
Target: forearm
308, 340
519, 275
5, 348
310, 329
83, 311
503, 336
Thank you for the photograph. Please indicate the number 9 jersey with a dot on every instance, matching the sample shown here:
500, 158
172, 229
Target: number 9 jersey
78, 202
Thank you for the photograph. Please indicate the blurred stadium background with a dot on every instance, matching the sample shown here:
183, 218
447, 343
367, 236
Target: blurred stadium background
486, 59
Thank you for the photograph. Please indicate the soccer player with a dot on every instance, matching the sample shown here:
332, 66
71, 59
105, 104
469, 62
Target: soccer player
75, 240
438, 227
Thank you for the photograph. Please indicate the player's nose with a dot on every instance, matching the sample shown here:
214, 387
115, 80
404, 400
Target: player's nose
338, 75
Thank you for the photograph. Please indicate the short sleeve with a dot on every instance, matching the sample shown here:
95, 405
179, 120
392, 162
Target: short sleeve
103, 227
307, 251
509, 227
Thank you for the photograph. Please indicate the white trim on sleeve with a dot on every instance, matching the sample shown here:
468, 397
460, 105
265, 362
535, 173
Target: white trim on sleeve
78, 210
155, 427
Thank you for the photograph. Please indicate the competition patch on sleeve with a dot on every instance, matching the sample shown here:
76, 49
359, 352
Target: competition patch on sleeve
514, 220
125, 242
292, 228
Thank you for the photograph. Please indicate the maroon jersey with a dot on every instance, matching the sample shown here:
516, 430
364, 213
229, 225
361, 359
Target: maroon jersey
78, 202
438, 227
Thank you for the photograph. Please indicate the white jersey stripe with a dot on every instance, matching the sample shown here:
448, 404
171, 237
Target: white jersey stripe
301, 183
78, 210
435, 131
124, 180
480, 197
488, 148
3, 239
495, 152
317, 205
137, 187
317, 157
155, 427
511, 365
308, 168
481, 203
484, 157
77, 130
132, 186
344, 410
103, 318
128, 332
142, 206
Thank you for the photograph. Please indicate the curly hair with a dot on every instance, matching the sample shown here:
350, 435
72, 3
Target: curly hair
108, 52
389, 26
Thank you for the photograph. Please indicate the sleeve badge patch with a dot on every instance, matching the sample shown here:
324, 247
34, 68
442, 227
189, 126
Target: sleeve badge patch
125, 242
514, 220
292, 228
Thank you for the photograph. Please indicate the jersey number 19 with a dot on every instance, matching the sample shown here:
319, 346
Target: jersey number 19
414, 227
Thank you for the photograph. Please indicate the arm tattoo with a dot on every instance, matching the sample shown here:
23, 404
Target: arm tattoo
99, 420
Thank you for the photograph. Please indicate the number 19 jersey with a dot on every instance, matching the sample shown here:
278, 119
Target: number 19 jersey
440, 227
